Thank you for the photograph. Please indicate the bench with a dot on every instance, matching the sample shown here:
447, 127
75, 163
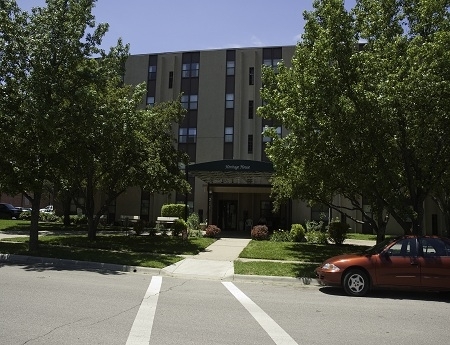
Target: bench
166, 220
128, 221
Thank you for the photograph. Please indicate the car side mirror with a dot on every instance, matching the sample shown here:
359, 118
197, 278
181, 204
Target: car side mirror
385, 254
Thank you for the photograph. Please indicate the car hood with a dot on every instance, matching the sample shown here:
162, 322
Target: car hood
348, 259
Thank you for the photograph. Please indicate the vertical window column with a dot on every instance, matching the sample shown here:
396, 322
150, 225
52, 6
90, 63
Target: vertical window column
251, 109
190, 71
251, 76
229, 104
151, 80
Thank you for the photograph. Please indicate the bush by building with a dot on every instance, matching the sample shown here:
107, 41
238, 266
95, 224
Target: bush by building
260, 233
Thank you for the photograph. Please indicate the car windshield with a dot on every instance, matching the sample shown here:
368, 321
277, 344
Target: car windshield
378, 248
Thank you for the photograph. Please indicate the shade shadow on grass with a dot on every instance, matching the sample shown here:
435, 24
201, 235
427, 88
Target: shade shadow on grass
292, 251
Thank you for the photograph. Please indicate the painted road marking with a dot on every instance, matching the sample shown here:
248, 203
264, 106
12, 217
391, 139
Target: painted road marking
142, 326
278, 335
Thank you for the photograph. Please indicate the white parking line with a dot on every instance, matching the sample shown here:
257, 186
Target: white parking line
143, 323
278, 335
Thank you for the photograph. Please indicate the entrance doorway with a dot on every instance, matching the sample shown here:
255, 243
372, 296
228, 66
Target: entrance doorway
228, 214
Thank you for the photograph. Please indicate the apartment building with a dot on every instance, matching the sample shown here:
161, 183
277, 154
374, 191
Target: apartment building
229, 171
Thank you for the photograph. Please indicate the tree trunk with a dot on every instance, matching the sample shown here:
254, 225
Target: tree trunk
33, 244
92, 228
417, 224
66, 208
446, 231
381, 233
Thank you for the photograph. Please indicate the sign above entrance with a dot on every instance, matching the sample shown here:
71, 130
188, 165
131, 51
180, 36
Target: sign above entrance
232, 171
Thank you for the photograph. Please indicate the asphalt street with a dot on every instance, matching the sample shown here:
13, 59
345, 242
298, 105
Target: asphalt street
43, 305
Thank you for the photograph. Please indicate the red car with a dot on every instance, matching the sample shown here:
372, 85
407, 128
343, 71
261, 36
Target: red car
407, 262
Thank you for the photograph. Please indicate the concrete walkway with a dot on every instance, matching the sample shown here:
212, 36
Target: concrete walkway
216, 262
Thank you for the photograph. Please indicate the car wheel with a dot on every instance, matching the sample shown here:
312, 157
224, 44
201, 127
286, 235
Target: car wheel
356, 283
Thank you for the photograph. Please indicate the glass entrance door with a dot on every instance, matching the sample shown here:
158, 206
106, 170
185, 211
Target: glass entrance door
228, 214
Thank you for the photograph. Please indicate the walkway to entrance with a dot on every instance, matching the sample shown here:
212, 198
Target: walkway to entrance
216, 262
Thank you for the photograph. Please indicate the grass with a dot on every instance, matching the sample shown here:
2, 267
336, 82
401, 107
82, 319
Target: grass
292, 251
357, 236
293, 259
266, 268
306, 256
145, 251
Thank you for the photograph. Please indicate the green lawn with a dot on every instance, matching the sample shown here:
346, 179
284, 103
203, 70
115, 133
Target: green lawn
266, 268
295, 259
292, 251
306, 256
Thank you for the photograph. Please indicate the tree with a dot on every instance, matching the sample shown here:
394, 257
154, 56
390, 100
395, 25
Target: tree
127, 146
68, 120
41, 53
354, 111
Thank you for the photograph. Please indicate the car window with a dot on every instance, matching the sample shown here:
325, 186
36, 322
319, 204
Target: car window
404, 247
379, 247
434, 247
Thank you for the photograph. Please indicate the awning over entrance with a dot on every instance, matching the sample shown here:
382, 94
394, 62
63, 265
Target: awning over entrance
232, 172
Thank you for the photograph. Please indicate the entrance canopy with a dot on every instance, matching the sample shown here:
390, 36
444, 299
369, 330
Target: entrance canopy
232, 172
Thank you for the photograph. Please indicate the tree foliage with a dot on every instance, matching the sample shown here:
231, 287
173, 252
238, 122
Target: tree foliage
365, 119
66, 117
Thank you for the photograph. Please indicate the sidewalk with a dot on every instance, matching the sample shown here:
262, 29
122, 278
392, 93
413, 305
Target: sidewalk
216, 262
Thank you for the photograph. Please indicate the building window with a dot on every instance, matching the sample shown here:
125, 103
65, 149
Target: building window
230, 67
190, 70
272, 63
195, 67
189, 102
250, 144
170, 80
151, 72
150, 101
251, 76
251, 109
229, 101
278, 129
229, 134
187, 135
186, 70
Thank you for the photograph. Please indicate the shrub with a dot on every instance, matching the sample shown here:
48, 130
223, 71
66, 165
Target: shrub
161, 229
48, 217
78, 220
25, 215
178, 226
195, 233
139, 226
297, 233
260, 233
280, 236
212, 231
173, 210
337, 232
193, 221
315, 232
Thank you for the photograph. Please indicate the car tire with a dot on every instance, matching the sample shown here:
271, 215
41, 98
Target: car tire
356, 283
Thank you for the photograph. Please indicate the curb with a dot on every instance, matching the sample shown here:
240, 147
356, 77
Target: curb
305, 281
98, 266
65, 263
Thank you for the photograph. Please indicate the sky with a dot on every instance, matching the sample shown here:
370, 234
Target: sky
160, 26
